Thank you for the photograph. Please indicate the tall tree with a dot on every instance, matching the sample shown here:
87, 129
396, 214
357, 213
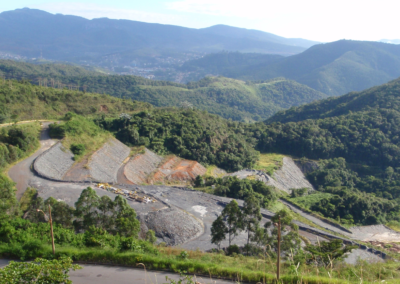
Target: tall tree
233, 218
251, 216
86, 212
126, 223
61, 212
106, 211
218, 231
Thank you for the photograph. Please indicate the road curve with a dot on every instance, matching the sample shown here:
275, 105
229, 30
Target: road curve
21, 173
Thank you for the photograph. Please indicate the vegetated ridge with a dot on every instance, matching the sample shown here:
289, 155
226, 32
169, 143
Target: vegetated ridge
229, 98
334, 68
23, 101
358, 134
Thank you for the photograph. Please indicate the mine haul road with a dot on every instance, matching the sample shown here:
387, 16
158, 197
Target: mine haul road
200, 207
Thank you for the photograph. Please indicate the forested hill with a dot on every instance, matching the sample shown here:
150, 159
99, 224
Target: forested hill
334, 68
363, 128
229, 98
358, 135
381, 97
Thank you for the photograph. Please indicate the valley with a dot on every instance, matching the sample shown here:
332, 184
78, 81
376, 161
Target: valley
138, 150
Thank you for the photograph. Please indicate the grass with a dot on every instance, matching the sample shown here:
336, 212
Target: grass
311, 199
394, 225
92, 143
269, 163
237, 268
214, 171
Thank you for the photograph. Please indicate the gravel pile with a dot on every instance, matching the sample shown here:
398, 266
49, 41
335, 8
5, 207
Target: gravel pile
106, 161
54, 163
173, 226
140, 166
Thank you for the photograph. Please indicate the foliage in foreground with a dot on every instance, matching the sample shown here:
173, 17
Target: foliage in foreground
41, 271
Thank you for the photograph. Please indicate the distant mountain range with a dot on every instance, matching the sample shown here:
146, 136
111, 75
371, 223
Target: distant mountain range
333, 68
30, 33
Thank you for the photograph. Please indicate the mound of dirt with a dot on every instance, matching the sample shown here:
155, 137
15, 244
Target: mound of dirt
173, 226
139, 167
54, 163
150, 168
105, 162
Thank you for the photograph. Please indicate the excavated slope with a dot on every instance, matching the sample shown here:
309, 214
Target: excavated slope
54, 163
176, 169
106, 161
140, 166
57, 163
288, 177
150, 168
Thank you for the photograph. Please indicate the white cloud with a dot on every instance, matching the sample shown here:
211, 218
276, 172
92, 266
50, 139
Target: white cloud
91, 11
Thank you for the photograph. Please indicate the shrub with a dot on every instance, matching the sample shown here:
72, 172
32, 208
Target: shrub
232, 249
78, 149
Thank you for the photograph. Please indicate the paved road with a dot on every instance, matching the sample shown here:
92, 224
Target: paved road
21, 173
102, 274
316, 220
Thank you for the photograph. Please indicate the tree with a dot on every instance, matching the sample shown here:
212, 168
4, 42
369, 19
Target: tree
251, 216
199, 181
126, 223
151, 236
290, 240
324, 253
106, 211
41, 271
218, 231
233, 219
61, 212
86, 212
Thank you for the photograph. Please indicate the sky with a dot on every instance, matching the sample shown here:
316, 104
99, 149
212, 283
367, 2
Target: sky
319, 20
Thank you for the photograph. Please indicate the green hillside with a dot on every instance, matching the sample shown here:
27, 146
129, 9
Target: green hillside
355, 137
229, 98
23, 101
334, 68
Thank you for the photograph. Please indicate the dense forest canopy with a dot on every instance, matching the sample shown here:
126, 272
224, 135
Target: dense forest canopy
191, 134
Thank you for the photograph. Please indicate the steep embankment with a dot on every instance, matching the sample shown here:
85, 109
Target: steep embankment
287, 177
112, 157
